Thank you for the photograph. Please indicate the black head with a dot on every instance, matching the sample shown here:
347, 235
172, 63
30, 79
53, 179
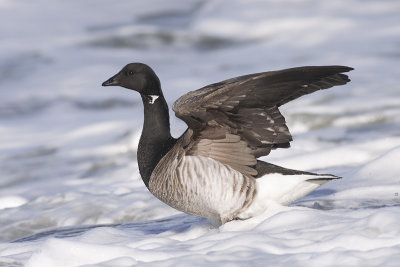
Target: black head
138, 77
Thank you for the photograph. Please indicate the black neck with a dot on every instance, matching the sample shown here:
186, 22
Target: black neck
156, 139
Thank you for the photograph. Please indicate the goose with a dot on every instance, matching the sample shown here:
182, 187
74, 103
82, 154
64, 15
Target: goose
212, 170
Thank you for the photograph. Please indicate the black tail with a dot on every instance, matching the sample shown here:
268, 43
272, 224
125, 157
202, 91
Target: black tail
264, 168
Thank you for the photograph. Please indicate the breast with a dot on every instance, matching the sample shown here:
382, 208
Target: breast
201, 186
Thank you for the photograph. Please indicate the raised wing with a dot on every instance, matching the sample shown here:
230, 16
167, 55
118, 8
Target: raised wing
247, 107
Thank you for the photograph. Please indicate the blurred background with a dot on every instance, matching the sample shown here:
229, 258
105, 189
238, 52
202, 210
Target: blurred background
68, 145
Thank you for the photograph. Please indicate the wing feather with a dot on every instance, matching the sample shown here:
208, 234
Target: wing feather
237, 120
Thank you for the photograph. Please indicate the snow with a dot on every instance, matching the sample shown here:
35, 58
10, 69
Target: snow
70, 190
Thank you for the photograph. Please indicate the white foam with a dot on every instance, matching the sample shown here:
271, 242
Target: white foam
11, 202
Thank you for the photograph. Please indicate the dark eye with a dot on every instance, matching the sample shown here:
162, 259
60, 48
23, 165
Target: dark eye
130, 73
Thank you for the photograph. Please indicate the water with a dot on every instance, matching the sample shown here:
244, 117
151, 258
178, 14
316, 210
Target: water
69, 182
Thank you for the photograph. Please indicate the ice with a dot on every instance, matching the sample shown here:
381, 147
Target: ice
70, 189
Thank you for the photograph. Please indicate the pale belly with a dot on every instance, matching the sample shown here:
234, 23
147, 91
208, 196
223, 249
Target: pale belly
204, 187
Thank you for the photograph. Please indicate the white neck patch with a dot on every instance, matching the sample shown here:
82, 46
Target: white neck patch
153, 99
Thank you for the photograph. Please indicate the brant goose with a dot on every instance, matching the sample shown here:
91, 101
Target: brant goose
212, 169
